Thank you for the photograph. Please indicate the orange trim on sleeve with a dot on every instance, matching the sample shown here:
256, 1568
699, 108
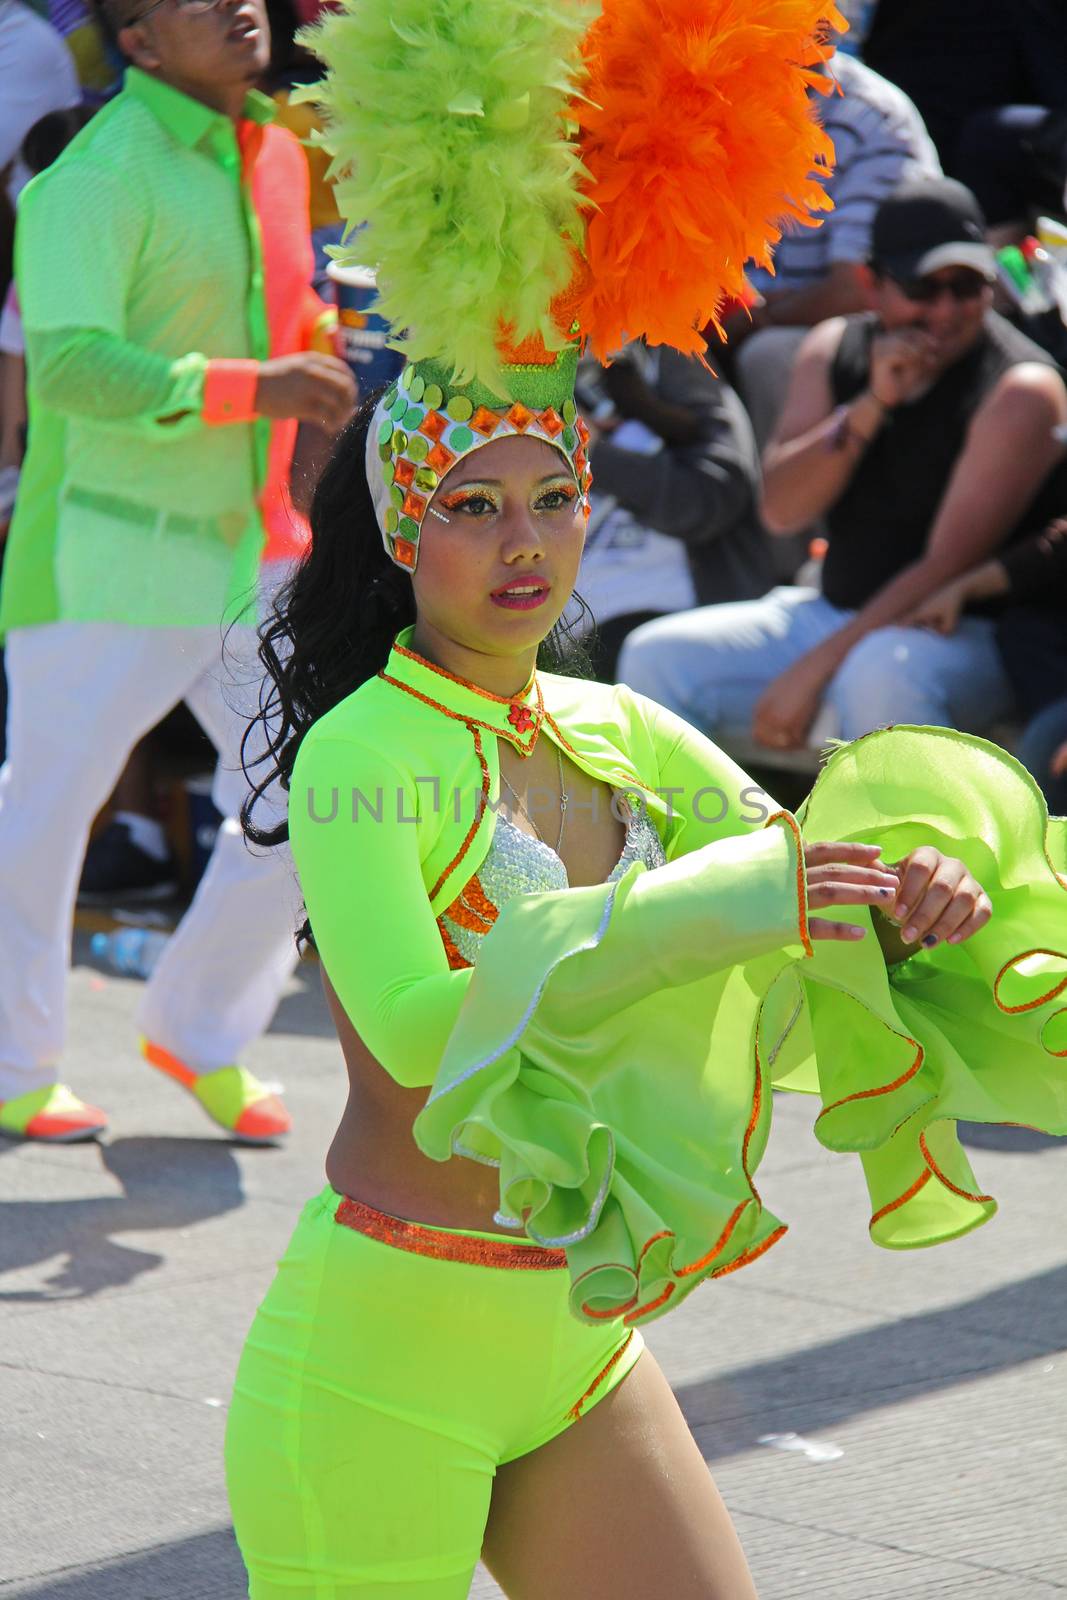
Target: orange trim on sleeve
230, 392
802, 877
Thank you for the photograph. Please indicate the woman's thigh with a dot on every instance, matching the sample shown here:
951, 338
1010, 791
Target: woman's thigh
621, 1506
357, 1460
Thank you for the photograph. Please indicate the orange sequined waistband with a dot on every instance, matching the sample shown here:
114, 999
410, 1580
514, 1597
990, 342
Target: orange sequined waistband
475, 1250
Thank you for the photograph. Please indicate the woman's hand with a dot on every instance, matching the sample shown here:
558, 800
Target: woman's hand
789, 705
937, 900
932, 897
846, 875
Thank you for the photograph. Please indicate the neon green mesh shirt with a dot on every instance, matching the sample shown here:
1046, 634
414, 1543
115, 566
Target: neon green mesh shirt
138, 261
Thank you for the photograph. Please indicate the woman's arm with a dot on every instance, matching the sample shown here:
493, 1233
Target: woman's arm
354, 829
359, 867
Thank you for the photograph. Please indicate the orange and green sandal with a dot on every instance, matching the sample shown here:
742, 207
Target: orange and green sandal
53, 1115
231, 1096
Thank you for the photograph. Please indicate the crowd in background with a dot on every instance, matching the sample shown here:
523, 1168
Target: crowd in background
860, 516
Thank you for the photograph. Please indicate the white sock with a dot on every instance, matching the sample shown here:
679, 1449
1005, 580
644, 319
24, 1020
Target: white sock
146, 833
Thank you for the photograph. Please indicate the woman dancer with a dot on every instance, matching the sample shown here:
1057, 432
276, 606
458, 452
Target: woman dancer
566, 943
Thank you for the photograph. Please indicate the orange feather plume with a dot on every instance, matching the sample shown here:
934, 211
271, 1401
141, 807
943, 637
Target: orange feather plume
699, 138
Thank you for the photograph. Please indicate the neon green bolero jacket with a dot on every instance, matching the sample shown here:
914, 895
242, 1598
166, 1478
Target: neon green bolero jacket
614, 1049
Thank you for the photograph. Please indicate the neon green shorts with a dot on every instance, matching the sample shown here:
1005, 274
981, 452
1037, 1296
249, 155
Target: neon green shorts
390, 1370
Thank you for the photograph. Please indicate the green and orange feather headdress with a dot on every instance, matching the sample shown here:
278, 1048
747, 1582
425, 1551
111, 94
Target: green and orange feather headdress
541, 176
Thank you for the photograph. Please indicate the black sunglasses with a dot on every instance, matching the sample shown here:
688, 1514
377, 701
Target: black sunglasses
962, 286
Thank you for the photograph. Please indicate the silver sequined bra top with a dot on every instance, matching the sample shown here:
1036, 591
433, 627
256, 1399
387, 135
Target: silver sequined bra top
519, 864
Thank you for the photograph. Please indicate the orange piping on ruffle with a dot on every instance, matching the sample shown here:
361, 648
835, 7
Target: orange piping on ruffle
650, 1305
717, 1248
754, 1114
628, 1311
909, 1194
882, 1088
932, 1171
615, 1311
802, 880
441, 1245
1028, 1005
752, 1253
1057, 1055
576, 1409
979, 1199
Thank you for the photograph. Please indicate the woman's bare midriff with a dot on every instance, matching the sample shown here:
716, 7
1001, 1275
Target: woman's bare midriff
374, 1156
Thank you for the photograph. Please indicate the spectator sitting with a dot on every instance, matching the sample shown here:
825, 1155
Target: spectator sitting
1030, 580
674, 521
1043, 751
1028, 584
879, 142
924, 436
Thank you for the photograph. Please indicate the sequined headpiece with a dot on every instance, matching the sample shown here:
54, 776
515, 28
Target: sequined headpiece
523, 198
424, 424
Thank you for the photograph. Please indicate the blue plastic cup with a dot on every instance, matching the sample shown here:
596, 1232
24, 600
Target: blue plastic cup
363, 331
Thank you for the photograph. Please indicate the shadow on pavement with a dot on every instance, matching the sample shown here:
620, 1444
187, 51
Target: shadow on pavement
875, 1367
207, 1567
303, 1011
1004, 1136
166, 1183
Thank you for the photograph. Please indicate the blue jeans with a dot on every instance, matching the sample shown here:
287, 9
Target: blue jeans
712, 665
1038, 745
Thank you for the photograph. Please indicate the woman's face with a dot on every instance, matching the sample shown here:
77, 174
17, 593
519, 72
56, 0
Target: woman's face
496, 574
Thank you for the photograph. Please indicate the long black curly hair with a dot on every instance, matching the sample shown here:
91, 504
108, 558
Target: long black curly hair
333, 624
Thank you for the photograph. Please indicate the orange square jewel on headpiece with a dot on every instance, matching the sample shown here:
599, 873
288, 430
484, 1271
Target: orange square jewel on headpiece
433, 425
485, 421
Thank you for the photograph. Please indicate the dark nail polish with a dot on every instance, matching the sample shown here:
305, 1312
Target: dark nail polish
930, 940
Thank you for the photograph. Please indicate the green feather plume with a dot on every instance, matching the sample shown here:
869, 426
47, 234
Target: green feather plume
445, 121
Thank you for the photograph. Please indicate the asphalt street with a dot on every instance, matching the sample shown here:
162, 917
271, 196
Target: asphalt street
922, 1395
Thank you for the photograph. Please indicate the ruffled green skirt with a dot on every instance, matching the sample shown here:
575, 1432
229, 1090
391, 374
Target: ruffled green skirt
633, 1141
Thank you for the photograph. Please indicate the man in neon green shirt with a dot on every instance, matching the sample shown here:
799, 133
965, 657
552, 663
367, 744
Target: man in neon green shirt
137, 536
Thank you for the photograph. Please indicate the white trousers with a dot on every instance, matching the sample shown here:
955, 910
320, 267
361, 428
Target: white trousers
81, 694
